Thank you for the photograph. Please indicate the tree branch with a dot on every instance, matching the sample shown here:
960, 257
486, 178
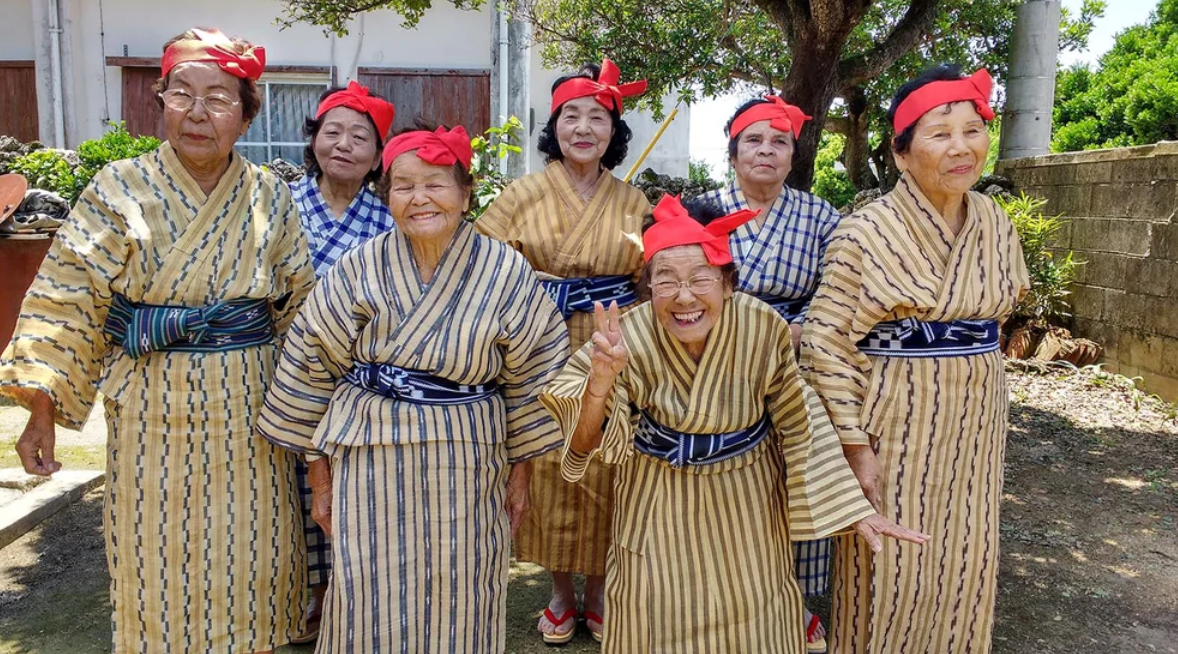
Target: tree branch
916, 23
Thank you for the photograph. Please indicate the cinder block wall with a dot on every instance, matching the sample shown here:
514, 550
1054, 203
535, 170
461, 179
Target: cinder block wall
1120, 205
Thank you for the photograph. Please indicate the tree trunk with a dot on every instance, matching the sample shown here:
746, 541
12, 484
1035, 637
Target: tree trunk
856, 150
811, 85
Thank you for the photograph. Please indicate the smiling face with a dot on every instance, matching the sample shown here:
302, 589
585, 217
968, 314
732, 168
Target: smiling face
764, 154
203, 140
426, 201
346, 146
583, 130
948, 151
687, 316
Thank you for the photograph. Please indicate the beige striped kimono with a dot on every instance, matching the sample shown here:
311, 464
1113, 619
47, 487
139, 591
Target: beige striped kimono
939, 424
203, 538
420, 533
701, 558
564, 236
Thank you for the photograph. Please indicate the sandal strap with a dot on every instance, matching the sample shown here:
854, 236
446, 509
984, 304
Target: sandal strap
564, 617
815, 622
590, 615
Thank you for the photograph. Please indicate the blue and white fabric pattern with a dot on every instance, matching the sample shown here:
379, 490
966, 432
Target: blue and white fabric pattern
415, 386
579, 293
680, 449
328, 238
915, 338
231, 325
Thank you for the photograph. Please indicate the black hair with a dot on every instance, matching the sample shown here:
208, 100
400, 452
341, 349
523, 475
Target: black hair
615, 152
733, 138
462, 176
311, 127
940, 73
703, 211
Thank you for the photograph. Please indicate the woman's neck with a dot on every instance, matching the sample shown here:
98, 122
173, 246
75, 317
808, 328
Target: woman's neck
206, 176
427, 254
761, 196
338, 193
584, 176
953, 210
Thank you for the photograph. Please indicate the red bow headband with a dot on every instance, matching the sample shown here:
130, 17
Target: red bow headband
215, 47
673, 227
780, 114
440, 148
605, 90
358, 98
975, 88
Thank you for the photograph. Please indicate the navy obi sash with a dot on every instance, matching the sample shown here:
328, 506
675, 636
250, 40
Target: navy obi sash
579, 293
913, 338
681, 449
787, 308
416, 386
229, 325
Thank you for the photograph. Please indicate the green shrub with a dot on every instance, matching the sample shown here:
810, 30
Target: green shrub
115, 144
1050, 275
53, 170
830, 184
494, 144
49, 170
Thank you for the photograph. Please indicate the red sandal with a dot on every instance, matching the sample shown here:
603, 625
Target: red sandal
814, 646
556, 638
590, 615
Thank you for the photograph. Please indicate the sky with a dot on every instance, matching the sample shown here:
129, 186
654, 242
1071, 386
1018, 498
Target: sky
709, 116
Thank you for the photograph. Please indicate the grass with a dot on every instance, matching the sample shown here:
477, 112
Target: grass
72, 457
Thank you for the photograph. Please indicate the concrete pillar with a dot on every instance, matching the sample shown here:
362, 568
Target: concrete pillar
513, 60
1030, 90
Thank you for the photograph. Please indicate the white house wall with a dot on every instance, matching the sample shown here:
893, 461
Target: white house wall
16, 30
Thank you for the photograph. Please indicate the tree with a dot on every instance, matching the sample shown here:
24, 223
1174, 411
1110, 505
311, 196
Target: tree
1130, 97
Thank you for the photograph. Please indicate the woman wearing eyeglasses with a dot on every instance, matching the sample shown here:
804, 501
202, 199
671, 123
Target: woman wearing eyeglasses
695, 402
166, 290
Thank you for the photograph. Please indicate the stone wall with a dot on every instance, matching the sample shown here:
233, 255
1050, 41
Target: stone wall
1120, 205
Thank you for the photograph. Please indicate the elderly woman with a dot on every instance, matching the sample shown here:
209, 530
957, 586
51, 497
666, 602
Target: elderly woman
695, 400
901, 342
338, 212
409, 381
579, 226
166, 291
779, 256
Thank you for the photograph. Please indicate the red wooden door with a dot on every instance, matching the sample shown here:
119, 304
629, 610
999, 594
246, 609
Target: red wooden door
450, 97
18, 100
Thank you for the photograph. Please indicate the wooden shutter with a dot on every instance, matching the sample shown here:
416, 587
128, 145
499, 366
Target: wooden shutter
18, 100
141, 112
451, 97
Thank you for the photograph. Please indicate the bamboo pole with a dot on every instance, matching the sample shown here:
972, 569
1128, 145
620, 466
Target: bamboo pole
650, 146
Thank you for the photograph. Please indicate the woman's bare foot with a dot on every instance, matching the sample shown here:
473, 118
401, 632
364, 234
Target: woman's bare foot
593, 605
564, 599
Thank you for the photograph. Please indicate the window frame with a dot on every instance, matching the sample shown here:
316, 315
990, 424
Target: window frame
323, 80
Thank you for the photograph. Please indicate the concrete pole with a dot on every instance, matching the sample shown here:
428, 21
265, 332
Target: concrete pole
1030, 91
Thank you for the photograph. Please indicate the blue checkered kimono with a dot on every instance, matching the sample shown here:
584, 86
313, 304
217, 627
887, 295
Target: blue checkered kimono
329, 238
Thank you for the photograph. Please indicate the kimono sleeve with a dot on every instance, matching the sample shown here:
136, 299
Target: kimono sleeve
498, 221
536, 345
59, 345
316, 354
842, 313
293, 273
828, 220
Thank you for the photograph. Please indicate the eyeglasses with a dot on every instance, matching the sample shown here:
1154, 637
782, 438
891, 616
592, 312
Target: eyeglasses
697, 285
216, 104
409, 190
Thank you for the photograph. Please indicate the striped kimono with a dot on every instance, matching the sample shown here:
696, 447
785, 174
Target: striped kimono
780, 261
420, 533
700, 559
938, 423
203, 538
564, 236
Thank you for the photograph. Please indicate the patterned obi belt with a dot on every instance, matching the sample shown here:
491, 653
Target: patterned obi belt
681, 449
230, 325
579, 293
787, 308
415, 386
913, 338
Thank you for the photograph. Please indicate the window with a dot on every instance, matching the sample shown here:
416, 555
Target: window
277, 132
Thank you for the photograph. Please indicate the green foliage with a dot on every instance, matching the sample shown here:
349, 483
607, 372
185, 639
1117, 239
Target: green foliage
699, 174
1130, 97
1050, 275
334, 15
493, 145
52, 170
829, 184
49, 170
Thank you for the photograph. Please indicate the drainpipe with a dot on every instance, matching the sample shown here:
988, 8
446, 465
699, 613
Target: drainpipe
55, 73
504, 75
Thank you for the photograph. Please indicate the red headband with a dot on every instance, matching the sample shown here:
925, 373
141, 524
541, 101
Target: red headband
975, 88
440, 148
215, 47
605, 90
358, 98
780, 114
673, 227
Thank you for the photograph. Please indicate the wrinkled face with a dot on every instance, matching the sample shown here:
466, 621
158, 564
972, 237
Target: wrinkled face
764, 155
948, 151
583, 130
202, 139
425, 200
688, 316
346, 146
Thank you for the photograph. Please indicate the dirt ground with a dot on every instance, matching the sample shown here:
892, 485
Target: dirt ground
1089, 536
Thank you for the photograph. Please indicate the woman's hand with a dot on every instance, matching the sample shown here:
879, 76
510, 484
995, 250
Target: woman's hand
609, 356
795, 336
35, 445
872, 527
518, 499
865, 465
319, 479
